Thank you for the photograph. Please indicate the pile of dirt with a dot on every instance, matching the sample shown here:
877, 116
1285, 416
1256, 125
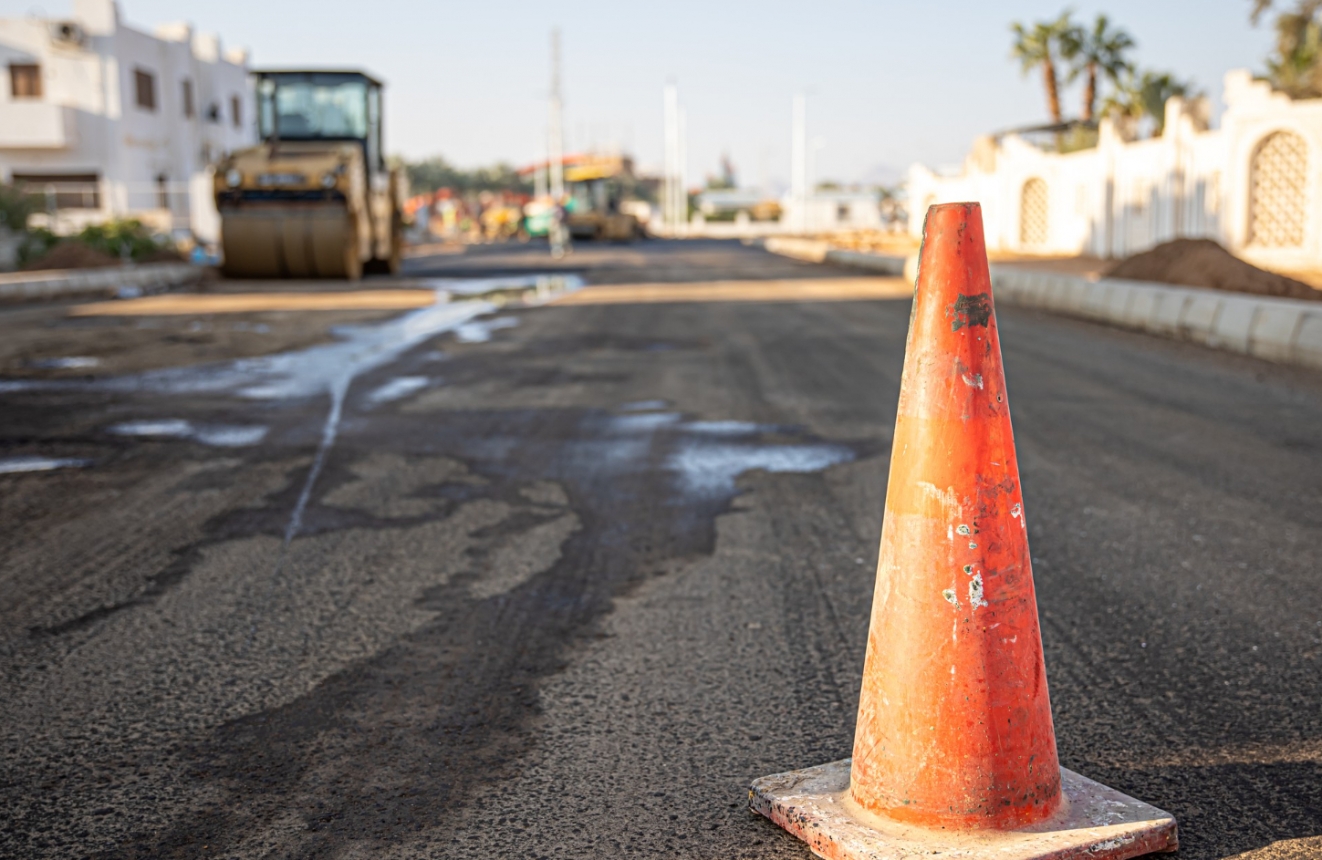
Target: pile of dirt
1204, 263
71, 255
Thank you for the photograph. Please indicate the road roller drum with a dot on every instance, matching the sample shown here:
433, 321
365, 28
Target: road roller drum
304, 242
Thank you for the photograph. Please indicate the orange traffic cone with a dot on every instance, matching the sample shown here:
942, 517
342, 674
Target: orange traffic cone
954, 750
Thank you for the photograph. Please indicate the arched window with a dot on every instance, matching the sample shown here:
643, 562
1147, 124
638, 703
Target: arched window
1277, 202
1033, 213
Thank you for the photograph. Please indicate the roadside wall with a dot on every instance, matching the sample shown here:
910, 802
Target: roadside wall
1254, 184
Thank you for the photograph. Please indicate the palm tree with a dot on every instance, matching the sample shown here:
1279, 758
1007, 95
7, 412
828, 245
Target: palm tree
1295, 67
1137, 96
1039, 46
1099, 50
1124, 105
1303, 8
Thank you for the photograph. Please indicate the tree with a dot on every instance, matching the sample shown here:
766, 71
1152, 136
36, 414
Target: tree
436, 172
1295, 66
1039, 46
15, 207
1100, 49
1145, 95
1303, 8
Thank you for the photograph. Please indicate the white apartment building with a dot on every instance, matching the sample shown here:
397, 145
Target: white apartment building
1254, 184
107, 121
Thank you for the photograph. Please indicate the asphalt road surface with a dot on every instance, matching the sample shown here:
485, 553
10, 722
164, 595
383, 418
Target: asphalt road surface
560, 581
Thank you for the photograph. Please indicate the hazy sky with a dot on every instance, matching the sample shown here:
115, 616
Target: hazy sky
889, 82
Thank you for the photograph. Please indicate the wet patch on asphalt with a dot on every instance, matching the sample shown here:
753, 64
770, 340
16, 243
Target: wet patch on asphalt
218, 435
31, 463
597, 505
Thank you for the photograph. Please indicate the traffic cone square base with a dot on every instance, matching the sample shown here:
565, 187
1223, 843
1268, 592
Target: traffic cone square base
1094, 821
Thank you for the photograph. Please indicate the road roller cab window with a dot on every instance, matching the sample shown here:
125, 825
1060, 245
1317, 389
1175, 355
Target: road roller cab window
318, 106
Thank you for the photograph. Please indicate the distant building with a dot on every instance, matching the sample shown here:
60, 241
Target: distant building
1254, 184
824, 211
717, 203
107, 121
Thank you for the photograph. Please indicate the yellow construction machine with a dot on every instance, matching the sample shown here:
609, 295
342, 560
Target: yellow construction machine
314, 199
597, 187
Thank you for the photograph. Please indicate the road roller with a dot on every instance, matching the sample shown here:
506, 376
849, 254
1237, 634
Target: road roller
597, 185
314, 199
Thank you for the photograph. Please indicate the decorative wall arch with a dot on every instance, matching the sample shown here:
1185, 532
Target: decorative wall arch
1278, 200
1034, 216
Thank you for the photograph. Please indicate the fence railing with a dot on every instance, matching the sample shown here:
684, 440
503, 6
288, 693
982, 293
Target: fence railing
68, 206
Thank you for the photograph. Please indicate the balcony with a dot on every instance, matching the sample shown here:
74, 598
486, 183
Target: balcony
36, 125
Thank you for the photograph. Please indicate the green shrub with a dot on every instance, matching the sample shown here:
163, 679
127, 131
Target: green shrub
15, 207
126, 238
38, 242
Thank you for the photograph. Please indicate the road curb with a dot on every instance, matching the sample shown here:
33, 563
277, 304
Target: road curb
1286, 331
61, 283
817, 251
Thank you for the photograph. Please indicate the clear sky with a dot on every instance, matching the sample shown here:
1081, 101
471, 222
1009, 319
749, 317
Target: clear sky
889, 82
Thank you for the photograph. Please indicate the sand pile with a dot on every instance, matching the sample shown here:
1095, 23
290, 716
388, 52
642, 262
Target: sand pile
1204, 263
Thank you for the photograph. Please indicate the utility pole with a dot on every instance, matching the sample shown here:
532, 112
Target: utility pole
671, 190
681, 174
556, 141
556, 155
799, 164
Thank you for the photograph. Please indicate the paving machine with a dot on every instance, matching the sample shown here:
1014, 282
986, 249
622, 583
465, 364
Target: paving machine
314, 199
597, 186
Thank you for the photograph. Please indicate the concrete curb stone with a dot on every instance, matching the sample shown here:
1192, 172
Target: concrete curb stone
1288, 331
61, 283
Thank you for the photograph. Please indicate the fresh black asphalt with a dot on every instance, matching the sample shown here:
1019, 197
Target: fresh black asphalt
569, 593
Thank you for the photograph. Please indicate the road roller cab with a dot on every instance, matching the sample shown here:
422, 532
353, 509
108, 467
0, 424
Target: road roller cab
314, 199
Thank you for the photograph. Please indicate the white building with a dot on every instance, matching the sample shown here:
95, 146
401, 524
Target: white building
108, 121
1254, 184
826, 211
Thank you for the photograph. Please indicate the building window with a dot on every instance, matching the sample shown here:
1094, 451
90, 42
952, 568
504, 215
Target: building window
236, 111
63, 190
187, 88
25, 80
144, 86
